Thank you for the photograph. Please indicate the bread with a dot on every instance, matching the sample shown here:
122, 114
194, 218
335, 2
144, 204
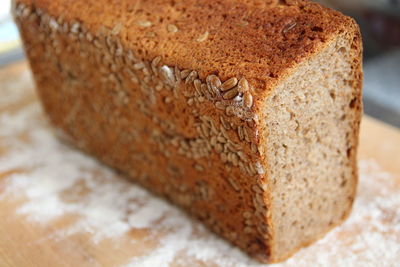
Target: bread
244, 113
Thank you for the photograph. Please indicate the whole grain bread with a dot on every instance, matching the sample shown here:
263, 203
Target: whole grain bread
244, 113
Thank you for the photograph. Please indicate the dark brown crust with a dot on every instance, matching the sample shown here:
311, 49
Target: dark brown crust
262, 41
279, 34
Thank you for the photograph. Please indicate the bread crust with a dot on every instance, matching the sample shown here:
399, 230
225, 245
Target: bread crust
259, 43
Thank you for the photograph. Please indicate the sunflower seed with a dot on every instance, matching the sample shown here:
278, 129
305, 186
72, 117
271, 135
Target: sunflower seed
168, 100
221, 139
234, 159
242, 23
219, 105
144, 23
247, 99
199, 167
154, 64
247, 230
117, 29
254, 148
228, 84
242, 156
139, 66
177, 74
243, 85
246, 134
231, 93
190, 101
213, 140
185, 73
172, 28
213, 84
191, 77
224, 157
168, 74
263, 229
229, 111
224, 123
234, 185
259, 168
219, 148
197, 86
202, 37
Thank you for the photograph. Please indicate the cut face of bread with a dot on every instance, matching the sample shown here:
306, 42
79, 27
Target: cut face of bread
309, 132
244, 113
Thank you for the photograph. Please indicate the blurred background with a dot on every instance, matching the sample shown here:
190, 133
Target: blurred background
380, 26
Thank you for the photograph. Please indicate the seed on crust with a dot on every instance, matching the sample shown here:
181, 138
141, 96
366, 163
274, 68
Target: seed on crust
243, 85
229, 111
231, 93
219, 148
199, 167
234, 185
150, 34
144, 23
168, 74
224, 157
172, 28
247, 214
254, 148
234, 158
139, 66
213, 84
229, 84
75, 27
221, 139
242, 23
259, 168
219, 105
177, 74
247, 99
242, 156
263, 230
197, 86
247, 230
185, 73
240, 133
117, 29
168, 100
202, 37
191, 77
213, 140
246, 134
154, 64
224, 123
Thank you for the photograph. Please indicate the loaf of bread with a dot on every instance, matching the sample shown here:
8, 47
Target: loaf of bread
245, 113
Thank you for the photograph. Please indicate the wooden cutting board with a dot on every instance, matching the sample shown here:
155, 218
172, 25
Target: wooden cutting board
59, 207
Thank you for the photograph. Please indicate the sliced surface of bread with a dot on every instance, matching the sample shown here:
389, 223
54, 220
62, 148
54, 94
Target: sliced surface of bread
244, 113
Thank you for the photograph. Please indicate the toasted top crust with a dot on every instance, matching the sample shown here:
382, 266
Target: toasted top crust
261, 40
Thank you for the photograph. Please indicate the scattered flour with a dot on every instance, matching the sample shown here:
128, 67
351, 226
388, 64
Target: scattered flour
58, 180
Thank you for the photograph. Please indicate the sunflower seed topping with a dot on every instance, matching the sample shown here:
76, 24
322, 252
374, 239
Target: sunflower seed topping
228, 84
172, 28
202, 37
243, 85
144, 23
